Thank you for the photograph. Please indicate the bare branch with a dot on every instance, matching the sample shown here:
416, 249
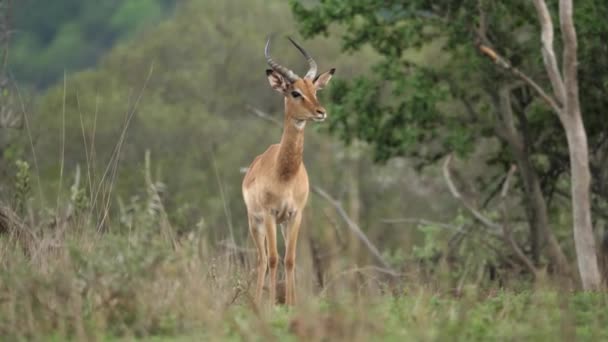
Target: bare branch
355, 229
476, 213
505, 228
448, 178
420, 221
506, 113
265, 116
505, 64
546, 24
507, 183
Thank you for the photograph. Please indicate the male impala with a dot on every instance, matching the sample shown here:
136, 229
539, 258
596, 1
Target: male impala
275, 187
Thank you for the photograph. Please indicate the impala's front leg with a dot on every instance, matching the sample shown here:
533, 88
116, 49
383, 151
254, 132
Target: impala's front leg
258, 234
291, 239
273, 255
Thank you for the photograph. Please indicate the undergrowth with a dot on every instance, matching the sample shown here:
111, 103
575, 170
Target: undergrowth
66, 276
86, 272
111, 286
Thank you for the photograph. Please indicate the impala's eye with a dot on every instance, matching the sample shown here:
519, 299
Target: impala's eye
295, 94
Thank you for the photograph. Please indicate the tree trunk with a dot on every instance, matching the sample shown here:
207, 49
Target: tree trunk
566, 105
604, 256
584, 241
536, 206
572, 120
540, 220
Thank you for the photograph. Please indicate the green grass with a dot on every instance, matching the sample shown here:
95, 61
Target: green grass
116, 287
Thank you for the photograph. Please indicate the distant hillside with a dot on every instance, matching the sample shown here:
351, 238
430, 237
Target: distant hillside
53, 36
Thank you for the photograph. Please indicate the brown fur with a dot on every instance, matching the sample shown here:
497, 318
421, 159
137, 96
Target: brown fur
275, 188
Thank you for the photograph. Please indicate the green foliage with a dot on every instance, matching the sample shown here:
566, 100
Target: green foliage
433, 94
397, 108
364, 111
54, 36
132, 13
429, 248
460, 252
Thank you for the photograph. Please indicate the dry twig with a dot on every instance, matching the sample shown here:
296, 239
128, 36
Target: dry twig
355, 229
504, 227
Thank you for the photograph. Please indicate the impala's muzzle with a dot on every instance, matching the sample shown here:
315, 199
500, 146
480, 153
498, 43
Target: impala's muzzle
320, 115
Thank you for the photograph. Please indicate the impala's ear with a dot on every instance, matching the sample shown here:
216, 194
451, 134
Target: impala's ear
277, 82
324, 78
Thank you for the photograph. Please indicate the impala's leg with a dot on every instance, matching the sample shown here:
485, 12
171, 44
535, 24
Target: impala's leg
291, 241
273, 255
258, 234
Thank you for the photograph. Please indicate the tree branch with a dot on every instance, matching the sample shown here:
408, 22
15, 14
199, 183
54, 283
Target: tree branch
570, 59
476, 213
505, 227
506, 113
546, 24
355, 229
265, 116
420, 221
505, 64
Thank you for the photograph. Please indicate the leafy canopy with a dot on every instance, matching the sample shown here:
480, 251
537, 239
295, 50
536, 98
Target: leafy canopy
433, 93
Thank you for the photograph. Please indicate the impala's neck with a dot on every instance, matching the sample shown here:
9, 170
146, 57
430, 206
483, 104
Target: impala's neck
291, 148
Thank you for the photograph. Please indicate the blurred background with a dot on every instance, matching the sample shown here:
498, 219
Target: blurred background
139, 116
183, 80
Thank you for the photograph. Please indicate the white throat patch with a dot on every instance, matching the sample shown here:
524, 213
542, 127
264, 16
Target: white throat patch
299, 124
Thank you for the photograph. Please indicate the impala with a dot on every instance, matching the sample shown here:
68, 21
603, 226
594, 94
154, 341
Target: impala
275, 188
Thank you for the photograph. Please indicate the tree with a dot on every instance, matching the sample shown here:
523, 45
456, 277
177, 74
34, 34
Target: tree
565, 103
433, 94
566, 91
